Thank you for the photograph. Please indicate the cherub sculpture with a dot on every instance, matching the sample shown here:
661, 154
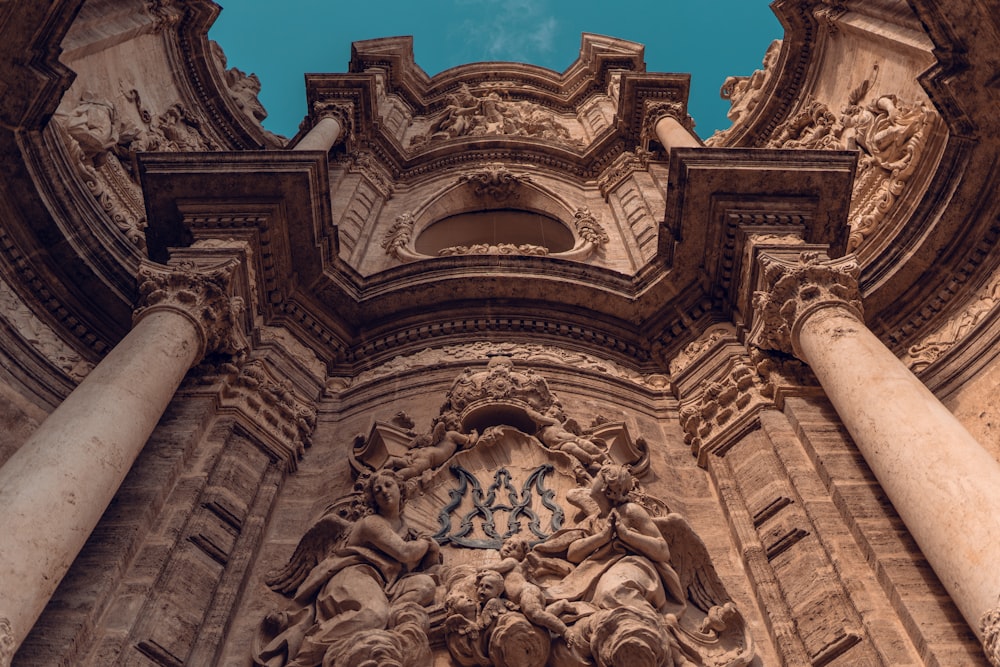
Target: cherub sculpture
430, 451
557, 432
356, 584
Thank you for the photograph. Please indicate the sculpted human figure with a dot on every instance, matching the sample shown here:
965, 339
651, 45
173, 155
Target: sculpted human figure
520, 589
430, 451
356, 589
554, 432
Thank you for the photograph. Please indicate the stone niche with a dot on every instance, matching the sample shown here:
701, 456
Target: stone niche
505, 534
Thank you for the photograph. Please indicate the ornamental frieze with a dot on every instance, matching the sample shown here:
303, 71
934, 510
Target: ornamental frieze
507, 536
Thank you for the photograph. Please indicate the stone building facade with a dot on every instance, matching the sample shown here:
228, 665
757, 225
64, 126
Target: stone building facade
502, 366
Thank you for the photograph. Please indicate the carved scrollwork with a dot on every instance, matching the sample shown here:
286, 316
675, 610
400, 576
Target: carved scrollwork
794, 290
396, 241
891, 135
494, 249
201, 296
495, 180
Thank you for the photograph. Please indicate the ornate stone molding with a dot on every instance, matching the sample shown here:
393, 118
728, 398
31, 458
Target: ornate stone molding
40, 336
396, 241
341, 111
284, 422
589, 229
795, 290
494, 180
655, 110
921, 355
989, 626
7, 642
498, 249
203, 297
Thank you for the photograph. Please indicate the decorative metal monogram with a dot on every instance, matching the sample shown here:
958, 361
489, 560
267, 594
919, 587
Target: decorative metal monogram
486, 508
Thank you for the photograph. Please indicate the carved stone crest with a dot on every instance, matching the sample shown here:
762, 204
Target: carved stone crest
526, 541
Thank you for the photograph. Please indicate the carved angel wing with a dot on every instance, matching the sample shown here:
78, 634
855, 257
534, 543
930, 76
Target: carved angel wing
317, 543
690, 559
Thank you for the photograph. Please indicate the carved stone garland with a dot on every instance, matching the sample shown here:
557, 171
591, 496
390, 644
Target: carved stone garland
513, 576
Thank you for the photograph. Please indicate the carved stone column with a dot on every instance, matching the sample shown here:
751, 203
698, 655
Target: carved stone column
941, 481
57, 485
668, 128
333, 123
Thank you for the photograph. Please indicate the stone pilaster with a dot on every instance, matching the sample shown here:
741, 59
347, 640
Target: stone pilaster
55, 488
941, 481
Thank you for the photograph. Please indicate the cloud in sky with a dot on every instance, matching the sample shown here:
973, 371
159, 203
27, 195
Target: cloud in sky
520, 30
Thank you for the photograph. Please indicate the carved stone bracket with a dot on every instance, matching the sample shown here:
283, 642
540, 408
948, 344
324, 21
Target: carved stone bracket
396, 241
795, 290
203, 297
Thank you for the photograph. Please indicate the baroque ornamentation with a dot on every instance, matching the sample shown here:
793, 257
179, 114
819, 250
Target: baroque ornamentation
622, 167
745, 92
797, 289
486, 113
722, 403
499, 548
40, 336
656, 110
989, 626
7, 642
201, 296
396, 241
341, 111
930, 348
495, 180
891, 135
498, 249
273, 406
244, 91
588, 227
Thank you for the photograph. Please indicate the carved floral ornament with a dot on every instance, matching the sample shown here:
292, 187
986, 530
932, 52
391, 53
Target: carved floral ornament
797, 289
505, 535
202, 296
890, 133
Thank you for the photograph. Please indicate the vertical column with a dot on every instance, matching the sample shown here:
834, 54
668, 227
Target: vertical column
941, 481
333, 123
668, 123
55, 488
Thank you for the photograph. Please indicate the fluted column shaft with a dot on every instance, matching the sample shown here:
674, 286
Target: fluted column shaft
55, 488
941, 481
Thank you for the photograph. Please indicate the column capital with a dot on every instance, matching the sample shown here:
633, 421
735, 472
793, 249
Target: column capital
202, 296
989, 626
341, 111
793, 290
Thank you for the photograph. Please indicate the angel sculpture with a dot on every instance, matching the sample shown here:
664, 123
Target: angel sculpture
651, 593
557, 432
361, 590
430, 451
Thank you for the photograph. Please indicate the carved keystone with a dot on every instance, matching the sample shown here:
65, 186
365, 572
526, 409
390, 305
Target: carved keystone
796, 290
203, 297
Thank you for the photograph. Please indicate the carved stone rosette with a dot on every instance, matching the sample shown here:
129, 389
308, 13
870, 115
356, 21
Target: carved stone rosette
795, 290
203, 297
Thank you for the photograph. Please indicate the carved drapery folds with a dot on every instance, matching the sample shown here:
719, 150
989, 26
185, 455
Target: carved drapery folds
891, 135
546, 549
796, 289
202, 296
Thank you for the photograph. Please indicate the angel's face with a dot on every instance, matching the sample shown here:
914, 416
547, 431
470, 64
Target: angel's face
513, 549
386, 492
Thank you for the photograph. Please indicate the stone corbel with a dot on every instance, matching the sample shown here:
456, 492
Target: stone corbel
397, 240
794, 290
590, 236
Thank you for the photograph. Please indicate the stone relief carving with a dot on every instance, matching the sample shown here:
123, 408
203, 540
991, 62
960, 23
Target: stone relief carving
495, 180
7, 642
745, 92
511, 551
588, 228
795, 289
498, 249
243, 90
891, 135
989, 625
40, 336
396, 241
930, 348
622, 167
477, 352
487, 112
722, 403
103, 139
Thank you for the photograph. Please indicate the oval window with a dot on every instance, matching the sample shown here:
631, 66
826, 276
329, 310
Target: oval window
493, 228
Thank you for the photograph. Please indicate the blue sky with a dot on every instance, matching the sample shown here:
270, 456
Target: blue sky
280, 42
